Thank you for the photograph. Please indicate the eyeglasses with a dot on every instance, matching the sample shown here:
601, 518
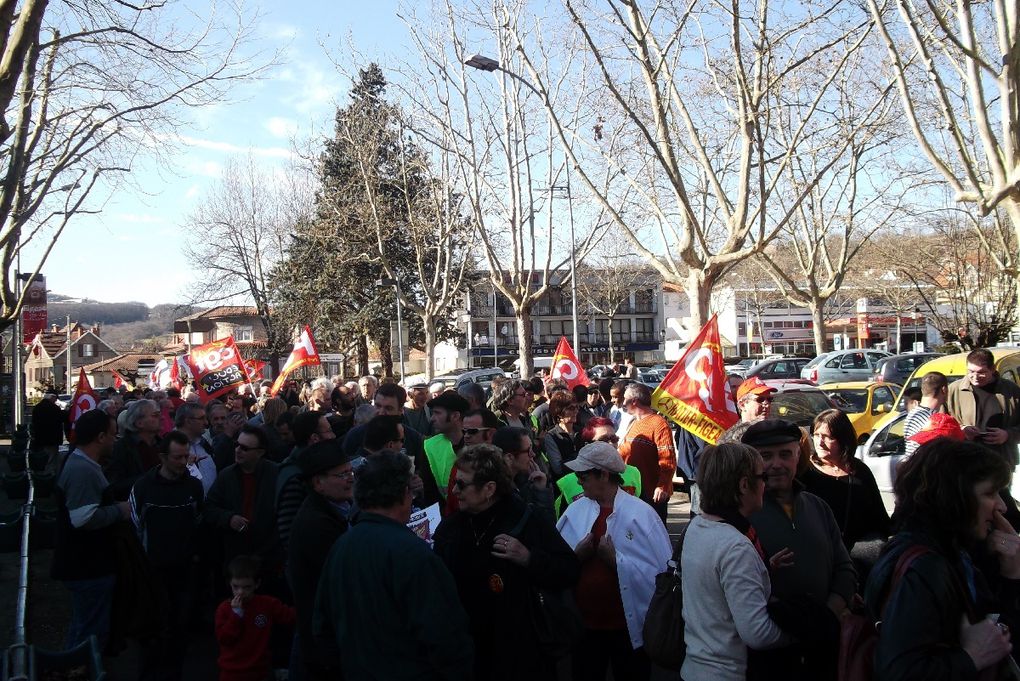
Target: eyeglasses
343, 475
474, 431
246, 448
461, 485
611, 439
584, 475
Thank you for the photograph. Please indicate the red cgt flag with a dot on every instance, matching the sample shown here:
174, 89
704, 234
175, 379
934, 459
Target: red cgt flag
254, 368
566, 367
694, 393
217, 368
303, 354
84, 397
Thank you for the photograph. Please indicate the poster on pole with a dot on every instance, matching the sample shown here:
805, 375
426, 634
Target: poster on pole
33, 312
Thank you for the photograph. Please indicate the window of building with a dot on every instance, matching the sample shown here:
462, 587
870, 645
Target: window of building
550, 331
644, 301
644, 330
86, 350
243, 333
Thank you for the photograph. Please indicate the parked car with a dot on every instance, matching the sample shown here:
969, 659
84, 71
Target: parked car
1007, 363
886, 447
897, 369
864, 403
844, 365
452, 380
798, 401
743, 366
779, 367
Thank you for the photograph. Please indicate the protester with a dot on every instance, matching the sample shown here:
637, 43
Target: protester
137, 451
622, 545
190, 420
599, 429
310, 427
500, 553
479, 426
530, 480
416, 414
987, 406
844, 482
367, 385
937, 620
447, 422
245, 623
83, 555
320, 521
511, 402
657, 466
560, 442
726, 586
934, 393
387, 607
47, 428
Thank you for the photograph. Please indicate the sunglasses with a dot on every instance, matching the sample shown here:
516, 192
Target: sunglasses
246, 448
461, 485
474, 431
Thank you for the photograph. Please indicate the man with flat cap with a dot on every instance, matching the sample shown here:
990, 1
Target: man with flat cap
319, 522
448, 410
812, 574
416, 414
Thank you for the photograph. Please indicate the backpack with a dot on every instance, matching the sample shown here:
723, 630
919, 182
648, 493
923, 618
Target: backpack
859, 631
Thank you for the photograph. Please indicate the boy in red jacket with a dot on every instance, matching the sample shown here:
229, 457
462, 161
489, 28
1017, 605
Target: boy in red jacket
245, 623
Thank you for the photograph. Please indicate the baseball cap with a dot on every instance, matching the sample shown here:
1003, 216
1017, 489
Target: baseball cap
769, 432
939, 425
753, 386
600, 455
450, 401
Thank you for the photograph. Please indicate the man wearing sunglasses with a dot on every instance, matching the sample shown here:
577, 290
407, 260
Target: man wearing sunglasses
242, 502
479, 426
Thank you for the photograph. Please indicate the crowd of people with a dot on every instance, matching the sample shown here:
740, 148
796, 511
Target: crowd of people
286, 523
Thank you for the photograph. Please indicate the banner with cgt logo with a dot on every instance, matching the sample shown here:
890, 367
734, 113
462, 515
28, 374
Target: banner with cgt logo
695, 394
566, 367
217, 368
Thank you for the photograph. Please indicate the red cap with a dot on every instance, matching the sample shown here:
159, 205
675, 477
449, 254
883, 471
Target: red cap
753, 386
939, 425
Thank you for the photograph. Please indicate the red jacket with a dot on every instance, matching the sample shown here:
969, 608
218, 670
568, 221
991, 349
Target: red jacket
244, 641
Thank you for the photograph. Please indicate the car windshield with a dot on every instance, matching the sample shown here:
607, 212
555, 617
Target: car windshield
850, 401
799, 406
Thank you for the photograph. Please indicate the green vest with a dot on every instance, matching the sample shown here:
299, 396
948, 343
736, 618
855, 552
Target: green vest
570, 488
439, 452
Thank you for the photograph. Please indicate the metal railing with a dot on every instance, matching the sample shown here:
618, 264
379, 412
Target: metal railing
18, 652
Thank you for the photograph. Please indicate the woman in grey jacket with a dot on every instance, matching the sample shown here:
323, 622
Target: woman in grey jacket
726, 583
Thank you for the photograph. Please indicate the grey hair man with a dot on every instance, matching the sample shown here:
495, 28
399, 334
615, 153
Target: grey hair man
190, 420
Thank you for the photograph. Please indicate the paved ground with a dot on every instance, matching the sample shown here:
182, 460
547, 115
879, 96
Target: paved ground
48, 612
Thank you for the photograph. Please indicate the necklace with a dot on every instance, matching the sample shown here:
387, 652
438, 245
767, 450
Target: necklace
479, 536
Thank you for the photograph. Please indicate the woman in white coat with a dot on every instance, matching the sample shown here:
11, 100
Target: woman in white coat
622, 545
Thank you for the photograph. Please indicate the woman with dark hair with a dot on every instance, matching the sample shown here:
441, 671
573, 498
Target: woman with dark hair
934, 603
500, 552
726, 584
560, 444
844, 482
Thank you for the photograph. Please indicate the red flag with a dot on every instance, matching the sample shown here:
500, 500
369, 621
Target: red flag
693, 393
303, 354
175, 374
217, 368
118, 380
84, 397
254, 368
566, 367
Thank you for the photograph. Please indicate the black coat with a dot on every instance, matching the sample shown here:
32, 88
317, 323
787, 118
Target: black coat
316, 528
920, 634
224, 501
47, 427
495, 592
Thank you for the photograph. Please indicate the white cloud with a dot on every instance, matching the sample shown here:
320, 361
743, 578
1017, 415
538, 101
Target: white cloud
317, 88
284, 128
193, 191
280, 31
228, 148
204, 168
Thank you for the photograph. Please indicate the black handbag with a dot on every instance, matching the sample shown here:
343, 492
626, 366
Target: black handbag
663, 631
553, 613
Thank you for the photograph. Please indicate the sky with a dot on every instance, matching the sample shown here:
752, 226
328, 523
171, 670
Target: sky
131, 251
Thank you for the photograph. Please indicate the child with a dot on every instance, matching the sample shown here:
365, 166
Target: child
244, 625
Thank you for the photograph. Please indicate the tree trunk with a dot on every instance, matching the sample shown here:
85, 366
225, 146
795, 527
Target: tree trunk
817, 308
362, 355
524, 340
429, 322
699, 292
386, 355
612, 353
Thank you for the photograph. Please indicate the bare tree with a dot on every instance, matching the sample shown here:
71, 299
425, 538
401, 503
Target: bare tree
955, 276
503, 159
957, 66
244, 221
83, 88
607, 278
675, 125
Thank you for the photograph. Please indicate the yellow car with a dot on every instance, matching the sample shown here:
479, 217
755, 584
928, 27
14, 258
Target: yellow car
864, 402
1007, 363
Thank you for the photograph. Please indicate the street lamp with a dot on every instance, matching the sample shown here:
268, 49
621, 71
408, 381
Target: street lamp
400, 322
482, 63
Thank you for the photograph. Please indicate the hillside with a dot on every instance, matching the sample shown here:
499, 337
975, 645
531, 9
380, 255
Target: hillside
125, 326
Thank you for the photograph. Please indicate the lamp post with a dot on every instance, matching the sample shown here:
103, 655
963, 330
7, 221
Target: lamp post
489, 65
400, 322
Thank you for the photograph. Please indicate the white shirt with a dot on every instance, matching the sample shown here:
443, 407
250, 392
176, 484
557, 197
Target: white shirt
642, 550
204, 468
